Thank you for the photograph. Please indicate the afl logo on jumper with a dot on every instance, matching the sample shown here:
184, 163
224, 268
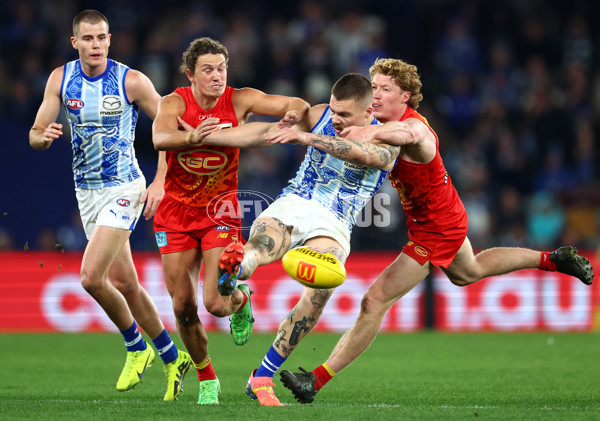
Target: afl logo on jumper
123, 202
74, 104
111, 105
202, 161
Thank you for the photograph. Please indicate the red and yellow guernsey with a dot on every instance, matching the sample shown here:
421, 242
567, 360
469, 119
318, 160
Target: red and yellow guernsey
430, 201
197, 174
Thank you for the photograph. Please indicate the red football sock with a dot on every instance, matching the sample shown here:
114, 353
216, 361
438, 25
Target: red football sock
322, 376
546, 263
205, 370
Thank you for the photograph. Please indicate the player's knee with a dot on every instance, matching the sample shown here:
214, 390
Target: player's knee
463, 280
465, 274
90, 282
186, 311
216, 308
126, 288
370, 305
459, 282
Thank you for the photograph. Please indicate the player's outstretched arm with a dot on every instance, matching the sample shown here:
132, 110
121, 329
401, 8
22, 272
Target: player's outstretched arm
249, 135
354, 151
250, 100
410, 132
45, 129
414, 136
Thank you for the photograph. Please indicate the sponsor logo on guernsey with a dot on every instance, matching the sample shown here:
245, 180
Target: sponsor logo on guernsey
123, 202
420, 251
74, 104
355, 167
111, 105
202, 161
306, 271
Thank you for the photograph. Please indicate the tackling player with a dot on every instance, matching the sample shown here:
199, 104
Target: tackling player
436, 218
187, 232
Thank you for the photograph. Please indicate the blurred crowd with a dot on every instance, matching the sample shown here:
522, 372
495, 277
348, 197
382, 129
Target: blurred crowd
511, 87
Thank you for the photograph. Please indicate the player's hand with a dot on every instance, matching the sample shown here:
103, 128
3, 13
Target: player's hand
365, 134
289, 119
199, 133
152, 197
52, 132
288, 135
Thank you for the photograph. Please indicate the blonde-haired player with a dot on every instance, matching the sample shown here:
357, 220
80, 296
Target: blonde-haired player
436, 218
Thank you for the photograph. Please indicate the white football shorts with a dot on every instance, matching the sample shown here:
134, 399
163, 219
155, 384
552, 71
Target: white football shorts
116, 206
309, 220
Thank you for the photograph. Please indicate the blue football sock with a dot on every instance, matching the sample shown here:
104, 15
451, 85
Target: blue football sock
133, 338
270, 364
165, 347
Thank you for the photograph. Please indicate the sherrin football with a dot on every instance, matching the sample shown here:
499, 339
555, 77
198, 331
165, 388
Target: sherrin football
313, 268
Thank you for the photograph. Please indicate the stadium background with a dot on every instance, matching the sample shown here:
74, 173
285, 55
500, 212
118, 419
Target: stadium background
511, 88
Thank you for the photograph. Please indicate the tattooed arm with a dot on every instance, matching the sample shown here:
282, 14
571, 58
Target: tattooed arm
357, 152
415, 137
354, 151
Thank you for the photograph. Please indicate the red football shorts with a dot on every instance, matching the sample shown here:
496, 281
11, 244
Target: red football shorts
179, 228
440, 250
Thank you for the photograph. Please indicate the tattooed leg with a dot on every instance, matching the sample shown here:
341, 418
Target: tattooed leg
268, 242
301, 319
305, 314
328, 245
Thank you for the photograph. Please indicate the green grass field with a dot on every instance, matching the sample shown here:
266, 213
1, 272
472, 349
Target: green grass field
401, 376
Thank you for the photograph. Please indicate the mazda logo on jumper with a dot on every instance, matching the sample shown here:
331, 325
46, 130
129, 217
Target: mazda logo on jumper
112, 105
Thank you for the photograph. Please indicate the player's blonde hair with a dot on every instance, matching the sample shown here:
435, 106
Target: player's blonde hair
404, 74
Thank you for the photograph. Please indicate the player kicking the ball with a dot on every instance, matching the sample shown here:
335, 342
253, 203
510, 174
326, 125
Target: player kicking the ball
436, 219
318, 208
